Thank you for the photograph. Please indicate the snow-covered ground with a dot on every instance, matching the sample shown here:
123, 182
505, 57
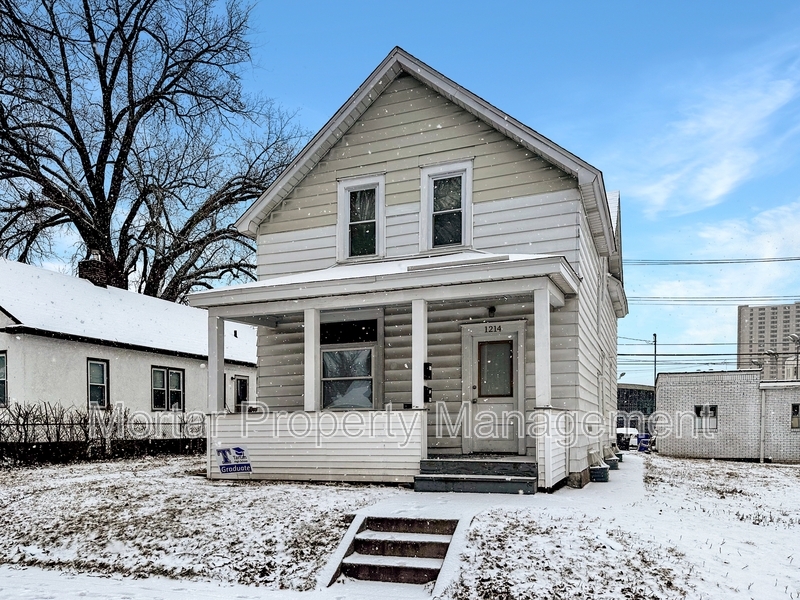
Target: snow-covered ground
661, 529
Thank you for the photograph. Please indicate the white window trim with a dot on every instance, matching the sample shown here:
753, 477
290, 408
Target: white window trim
167, 371
105, 384
344, 187
427, 175
372, 347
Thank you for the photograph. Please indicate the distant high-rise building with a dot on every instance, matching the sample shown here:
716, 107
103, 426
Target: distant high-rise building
764, 339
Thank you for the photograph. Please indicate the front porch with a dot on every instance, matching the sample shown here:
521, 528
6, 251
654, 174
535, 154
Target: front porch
459, 363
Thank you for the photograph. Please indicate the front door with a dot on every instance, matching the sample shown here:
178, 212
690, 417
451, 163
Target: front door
494, 383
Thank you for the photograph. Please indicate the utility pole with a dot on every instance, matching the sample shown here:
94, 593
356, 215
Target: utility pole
655, 357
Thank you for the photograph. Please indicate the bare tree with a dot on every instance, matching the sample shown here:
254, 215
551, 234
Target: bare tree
125, 122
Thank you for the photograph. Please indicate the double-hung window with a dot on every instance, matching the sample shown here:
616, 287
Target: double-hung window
349, 358
168, 388
360, 217
3, 380
705, 417
97, 383
447, 206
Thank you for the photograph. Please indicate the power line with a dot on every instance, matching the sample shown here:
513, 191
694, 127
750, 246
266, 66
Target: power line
712, 261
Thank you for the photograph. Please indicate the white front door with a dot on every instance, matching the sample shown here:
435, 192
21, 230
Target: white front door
494, 383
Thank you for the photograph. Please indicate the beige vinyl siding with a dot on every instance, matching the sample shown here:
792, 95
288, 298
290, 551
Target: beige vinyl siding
280, 364
317, 447
296, 251
408, 126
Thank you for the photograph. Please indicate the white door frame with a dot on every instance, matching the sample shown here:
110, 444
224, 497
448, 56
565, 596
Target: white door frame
488, 330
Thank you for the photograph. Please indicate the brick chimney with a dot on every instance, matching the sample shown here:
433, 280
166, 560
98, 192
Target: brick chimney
93, 269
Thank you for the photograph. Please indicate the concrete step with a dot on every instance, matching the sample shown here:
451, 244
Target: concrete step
405, 525
387, 543
481, 484
511, 466
397, 569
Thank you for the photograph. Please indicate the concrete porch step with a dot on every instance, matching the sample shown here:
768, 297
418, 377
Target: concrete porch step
513, 466
481, 484
406, 525
397, 569
386, 543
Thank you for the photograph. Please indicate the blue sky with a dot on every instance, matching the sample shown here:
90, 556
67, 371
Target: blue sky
690, 109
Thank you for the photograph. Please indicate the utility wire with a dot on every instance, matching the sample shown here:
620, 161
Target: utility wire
721, 261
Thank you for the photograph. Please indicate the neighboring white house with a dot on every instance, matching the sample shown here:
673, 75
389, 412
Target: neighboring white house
430, 271
64, 340
728, 414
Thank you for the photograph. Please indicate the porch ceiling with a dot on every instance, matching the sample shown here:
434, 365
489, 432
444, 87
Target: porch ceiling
444, 277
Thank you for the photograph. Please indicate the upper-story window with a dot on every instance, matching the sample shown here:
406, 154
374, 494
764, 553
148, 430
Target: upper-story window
360, 217
446, 205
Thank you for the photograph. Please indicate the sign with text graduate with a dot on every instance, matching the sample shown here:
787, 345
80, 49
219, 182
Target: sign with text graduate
233, 459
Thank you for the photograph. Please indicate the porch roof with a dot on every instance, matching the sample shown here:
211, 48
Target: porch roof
385, 276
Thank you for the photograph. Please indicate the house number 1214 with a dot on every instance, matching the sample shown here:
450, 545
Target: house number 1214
493, 328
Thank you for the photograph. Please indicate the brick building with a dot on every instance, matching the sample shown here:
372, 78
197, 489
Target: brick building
764, 339
728, 414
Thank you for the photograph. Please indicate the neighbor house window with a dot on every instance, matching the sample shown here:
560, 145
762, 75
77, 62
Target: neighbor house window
795, 416
705, 417
348, 363
360, 217
3, 380
447, 205
240, 392
168, 388
98, 383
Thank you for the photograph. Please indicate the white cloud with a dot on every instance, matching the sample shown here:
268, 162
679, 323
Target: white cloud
724, 130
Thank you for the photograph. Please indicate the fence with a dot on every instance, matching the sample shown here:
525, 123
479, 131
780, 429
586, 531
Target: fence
46, 433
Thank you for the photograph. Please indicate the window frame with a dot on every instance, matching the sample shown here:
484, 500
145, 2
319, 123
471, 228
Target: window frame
794, 416
428, 175
4, 379
106, 384
167, 372
353, 184
377, 347
702, 422
372, 347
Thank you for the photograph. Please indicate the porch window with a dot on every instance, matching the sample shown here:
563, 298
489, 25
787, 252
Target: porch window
97, 383
241, 386
447, 204
795, 416
3, 380
705, 417
168, 389
348, 363
360, 217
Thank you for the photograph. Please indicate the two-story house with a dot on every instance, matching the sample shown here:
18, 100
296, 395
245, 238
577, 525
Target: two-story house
436, 280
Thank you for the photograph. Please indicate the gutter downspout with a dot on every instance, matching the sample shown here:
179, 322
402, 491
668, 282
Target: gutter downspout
763, 425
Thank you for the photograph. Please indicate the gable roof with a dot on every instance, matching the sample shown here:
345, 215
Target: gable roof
53, 303
590, 179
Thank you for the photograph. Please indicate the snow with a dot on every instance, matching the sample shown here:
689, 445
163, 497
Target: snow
59, 303
661, 528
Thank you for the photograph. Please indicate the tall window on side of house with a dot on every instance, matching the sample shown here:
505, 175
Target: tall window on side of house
447, 205
795, 416
3, 380
97, 375
348, 352
705, 417
167, 388
360, 217
241, 392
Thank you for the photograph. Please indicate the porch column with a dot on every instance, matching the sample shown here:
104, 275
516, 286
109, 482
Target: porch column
541, 332
311, 367
216, 365
419, 351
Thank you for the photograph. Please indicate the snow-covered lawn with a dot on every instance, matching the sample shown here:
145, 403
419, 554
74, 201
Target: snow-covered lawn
155, 517
661, 529
703, 529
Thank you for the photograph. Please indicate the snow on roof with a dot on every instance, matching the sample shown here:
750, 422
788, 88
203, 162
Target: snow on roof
381, 268
59, 303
